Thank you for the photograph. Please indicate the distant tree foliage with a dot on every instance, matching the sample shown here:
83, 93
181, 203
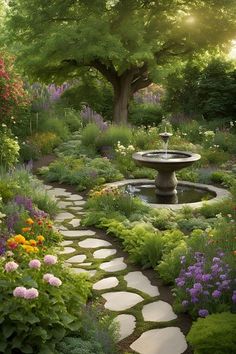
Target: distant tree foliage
126, 41
209, 92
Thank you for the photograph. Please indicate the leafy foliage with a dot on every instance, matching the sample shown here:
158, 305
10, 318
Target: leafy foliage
214, 334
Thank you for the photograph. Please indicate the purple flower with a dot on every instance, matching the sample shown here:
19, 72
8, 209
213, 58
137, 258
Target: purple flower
194, 300
216, 294
185, 303
47, 276
11, 266
19, 291
54, 281
193, 292
198, 287
31, 293
206, 277
203, 313
49, 259
188, 274
223, 277
216, 260
35, 264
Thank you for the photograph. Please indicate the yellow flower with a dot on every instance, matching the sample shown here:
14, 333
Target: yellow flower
36, 250
26, 229
40, 238
19, 239
32, 242
28, 249
29, 221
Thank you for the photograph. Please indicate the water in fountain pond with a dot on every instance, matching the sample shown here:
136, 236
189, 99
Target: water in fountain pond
184, 194
162, 155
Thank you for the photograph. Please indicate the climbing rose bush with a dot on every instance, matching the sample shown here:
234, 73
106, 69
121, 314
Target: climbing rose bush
12, 94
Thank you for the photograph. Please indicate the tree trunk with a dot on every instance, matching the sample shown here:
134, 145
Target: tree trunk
122, 91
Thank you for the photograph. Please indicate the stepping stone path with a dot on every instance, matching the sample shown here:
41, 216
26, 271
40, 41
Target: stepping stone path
107, 272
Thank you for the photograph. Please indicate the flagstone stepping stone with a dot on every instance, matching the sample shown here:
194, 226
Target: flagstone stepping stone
66, 243
139, 281
115, 265
67, 250
61, 227
79, 258
158, 311
47, 187
168, 340
104, 253
58, 192
77, 233
64, 216
62, 204
79, 203
126, 323
106, 283
75, 208
74, 197
85, 264
75, 222
121, 300
93, 243
91, 273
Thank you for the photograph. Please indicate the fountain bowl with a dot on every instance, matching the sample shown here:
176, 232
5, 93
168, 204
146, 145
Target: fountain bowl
166, 163
156, 159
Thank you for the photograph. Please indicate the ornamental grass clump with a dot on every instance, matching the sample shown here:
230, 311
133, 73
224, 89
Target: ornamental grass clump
206, 286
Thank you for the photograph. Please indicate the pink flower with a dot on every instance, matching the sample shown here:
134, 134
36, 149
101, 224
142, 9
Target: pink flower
54, 281
19, 291
11, 266
49, 259
47, 276
35, 264
31, 293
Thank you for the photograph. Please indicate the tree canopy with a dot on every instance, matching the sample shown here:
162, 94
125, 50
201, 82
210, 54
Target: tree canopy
126, 41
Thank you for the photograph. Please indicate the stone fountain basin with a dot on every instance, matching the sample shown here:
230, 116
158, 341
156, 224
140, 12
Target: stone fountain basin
155, 159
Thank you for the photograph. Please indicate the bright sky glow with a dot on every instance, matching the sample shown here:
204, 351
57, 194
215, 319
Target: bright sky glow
232, 53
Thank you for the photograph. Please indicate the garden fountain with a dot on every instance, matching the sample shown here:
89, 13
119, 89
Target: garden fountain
166, 191
166, 162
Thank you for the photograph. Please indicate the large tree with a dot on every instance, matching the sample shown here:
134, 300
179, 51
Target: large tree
125, 40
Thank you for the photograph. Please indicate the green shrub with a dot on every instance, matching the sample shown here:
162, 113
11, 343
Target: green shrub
72, 345
55, 126
89, 134
44, 142
9, 149
145, 114
214, 334
169, 267
222, 177
214, 157
29, 152
113, 135
73, 120
223, 207
194, 223
7, 189
84, 172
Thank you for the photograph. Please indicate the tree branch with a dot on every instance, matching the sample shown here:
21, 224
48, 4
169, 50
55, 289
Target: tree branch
108, 72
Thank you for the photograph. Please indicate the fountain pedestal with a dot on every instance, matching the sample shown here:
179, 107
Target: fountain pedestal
166, 183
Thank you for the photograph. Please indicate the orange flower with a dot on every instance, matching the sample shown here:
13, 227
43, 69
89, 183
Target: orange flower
29, 221
26, 229
40, 238
40, 222
49, 226
32, 242
234, 252
19, 239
